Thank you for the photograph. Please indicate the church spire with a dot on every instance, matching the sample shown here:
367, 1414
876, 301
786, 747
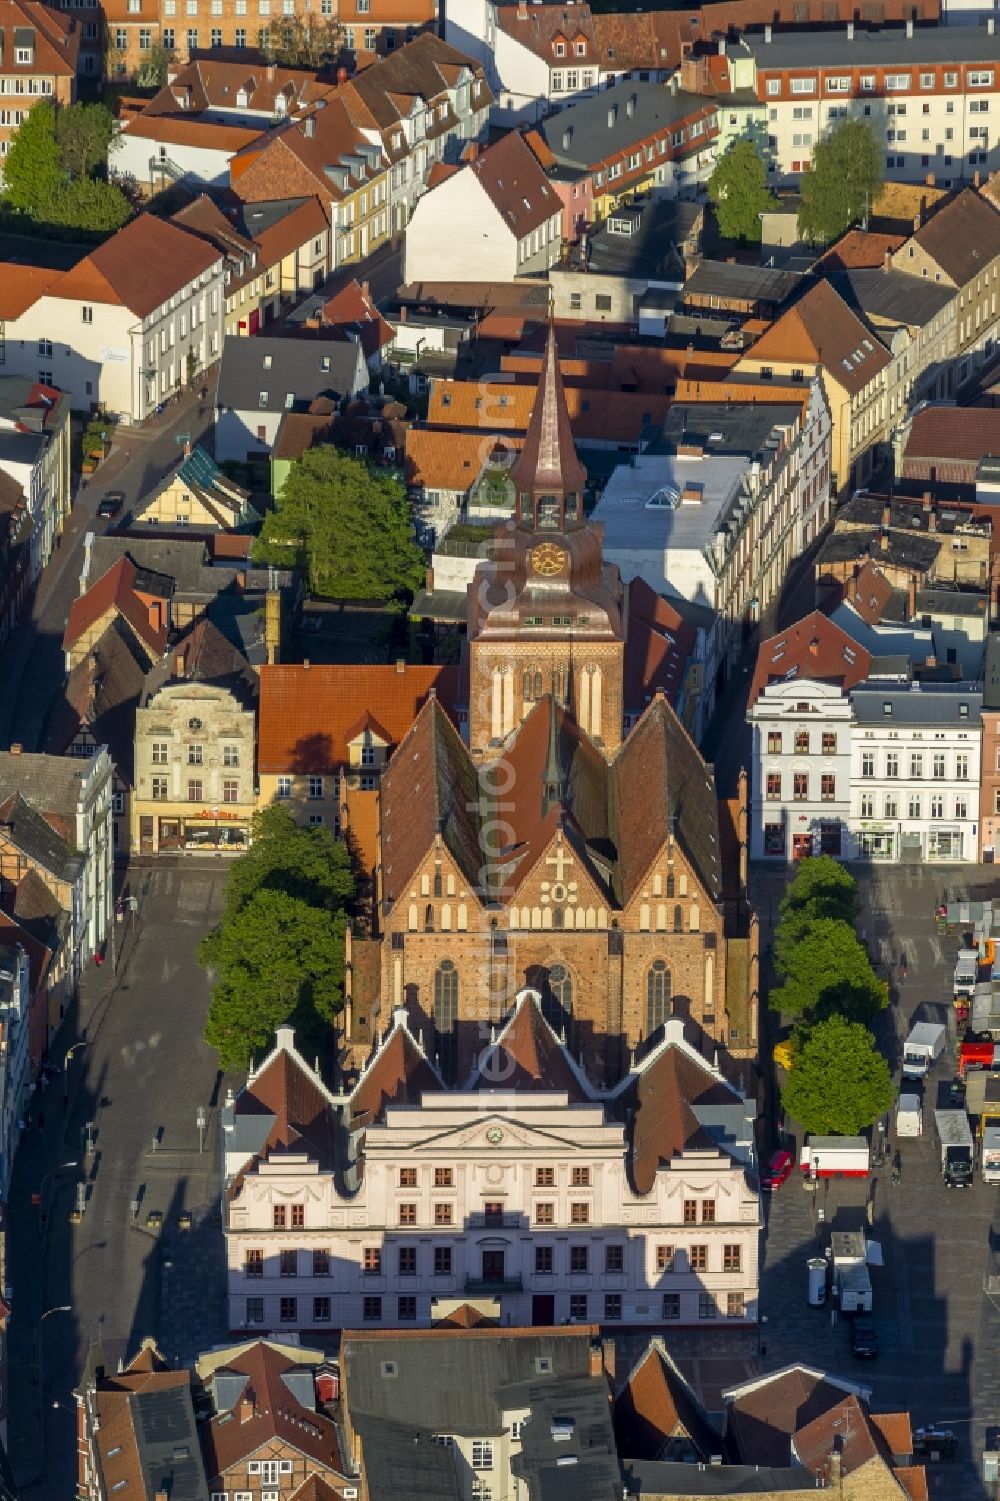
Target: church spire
552, 775
548, 477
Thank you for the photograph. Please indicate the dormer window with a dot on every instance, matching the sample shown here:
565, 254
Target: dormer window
242, 99
268, 361
263, 398
581, 49
560, 49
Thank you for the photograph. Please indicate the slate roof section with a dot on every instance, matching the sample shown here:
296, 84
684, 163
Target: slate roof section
278, 1413
307, 714
657, 1414
299, 369
140, 267
963, 236
400, 1462
30, 832
812, 648
115, 590
582, 1466
101, 695
820, 329
203, 654
593, 141
892, 295
447, 1379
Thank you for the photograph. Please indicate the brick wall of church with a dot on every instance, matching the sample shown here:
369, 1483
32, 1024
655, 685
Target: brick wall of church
546, 657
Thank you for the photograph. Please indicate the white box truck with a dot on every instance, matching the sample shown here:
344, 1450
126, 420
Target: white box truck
966, 972
909, 1119
850, 1270
955, 1140
835, 1157
922, 1049
991, 1154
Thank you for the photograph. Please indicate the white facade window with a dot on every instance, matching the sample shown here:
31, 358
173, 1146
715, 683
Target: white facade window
284, 787
981, 80
482, 1454
774, 86
803, 85
897, 83
838, 85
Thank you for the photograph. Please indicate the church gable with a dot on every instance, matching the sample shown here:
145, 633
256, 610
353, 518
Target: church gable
440, 899
560, 889
670, 898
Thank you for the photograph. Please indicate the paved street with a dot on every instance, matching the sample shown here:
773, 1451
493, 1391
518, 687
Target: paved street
143, 1072
31, 665
938, 1334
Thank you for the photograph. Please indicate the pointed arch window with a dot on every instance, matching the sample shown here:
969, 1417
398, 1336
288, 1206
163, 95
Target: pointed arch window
557, 999
678, 920
657, 995
429, 919
446, 1017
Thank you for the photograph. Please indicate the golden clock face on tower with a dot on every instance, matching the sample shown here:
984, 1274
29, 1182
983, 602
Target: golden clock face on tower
547, 559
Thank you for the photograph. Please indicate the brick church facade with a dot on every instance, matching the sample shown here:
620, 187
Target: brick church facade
550, 852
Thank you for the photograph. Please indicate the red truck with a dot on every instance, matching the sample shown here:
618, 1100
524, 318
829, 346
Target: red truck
977, 1055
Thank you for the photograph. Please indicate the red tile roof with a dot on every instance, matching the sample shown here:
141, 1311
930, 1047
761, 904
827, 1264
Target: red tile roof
115, 590
276, 1414
21, 286
515, 184
857, 249
658, 647
820, 329
352, 308
664, 1124
306, 712
656, 1405
398, 1074
812, 648
947, 432
140, 267
287, 1089
528, 1055
869, 593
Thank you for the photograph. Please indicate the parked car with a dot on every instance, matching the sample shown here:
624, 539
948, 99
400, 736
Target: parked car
864, 1340
934, 1440
111, 503
777, 1172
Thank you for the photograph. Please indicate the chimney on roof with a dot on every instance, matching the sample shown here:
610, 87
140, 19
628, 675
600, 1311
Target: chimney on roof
309, 128
887, 262
909, 30
917, 221
248, 1404
187, 448
767, 35
926, 503
180, 662
932, 520
366, 289
884, 542
976, 178
850, 31
305, 664
630, 104
887, 514
400, 664
522, 10
911, 595
596, 1358
612, 115
722, 46
814, 647
16, 748
270, 73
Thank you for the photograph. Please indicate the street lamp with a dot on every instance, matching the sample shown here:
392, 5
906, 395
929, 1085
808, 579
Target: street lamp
59, 1308
61, 1167
761, 1321
69, 1056
201, 1121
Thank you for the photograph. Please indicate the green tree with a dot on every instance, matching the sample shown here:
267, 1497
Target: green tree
278, 953
842, 182
840, 1083
86, 134
348, 528
303, 42
32, 169
152, 70
738, 189
826, 972
89, 203
822, 888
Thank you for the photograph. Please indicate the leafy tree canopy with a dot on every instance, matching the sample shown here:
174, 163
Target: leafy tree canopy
840, 1083
825, 971
842, 182
738, 189
822, 888
49, 171
304, 42
152, 70
278, 953
347, 527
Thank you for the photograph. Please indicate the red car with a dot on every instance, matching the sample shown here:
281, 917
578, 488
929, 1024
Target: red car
777, 1172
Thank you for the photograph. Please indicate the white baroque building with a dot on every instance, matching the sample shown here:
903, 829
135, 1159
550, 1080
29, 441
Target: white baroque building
801, 799
527, 1186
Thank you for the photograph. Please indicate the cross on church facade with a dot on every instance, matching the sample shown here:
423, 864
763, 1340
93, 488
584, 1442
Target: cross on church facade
560, 860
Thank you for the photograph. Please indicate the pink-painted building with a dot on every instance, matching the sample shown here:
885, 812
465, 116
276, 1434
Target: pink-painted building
527, 1186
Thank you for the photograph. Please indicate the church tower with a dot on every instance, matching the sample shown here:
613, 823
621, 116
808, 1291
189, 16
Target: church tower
545, 614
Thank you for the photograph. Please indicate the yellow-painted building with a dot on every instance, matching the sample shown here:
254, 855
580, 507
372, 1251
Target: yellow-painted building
197, 493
